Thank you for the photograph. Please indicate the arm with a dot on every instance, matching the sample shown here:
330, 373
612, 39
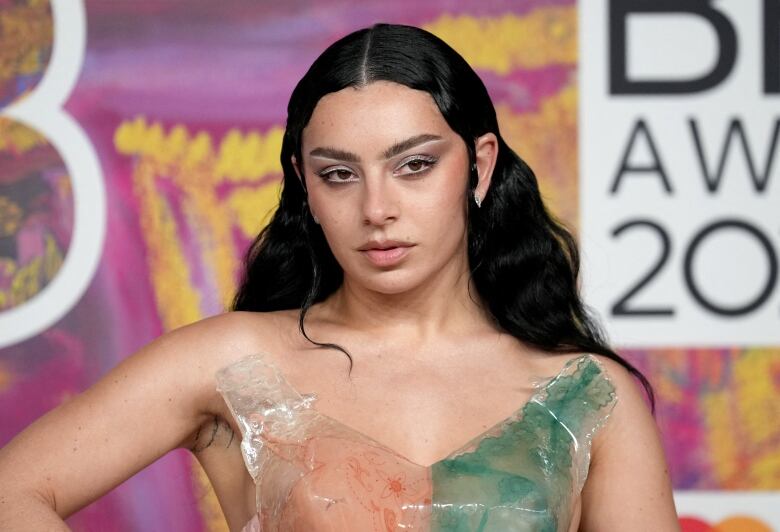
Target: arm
151, 403
628, 485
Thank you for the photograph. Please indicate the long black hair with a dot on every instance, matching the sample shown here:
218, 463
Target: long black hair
524, 263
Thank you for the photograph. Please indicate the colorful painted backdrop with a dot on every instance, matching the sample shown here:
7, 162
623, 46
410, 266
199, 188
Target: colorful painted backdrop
183, 101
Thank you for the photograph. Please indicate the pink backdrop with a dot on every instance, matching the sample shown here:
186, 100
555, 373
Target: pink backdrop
184, 103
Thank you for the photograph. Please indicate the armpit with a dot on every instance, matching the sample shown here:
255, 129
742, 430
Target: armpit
215, 433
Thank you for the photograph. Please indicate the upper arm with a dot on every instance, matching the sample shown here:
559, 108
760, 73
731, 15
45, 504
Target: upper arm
628, 485
148, 405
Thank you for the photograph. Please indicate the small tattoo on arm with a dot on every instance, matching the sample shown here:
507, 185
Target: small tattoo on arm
220, 430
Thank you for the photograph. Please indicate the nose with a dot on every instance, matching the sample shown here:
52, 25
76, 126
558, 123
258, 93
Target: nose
380, 203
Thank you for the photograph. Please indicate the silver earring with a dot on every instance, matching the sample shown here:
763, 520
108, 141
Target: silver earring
316, 220
477, 199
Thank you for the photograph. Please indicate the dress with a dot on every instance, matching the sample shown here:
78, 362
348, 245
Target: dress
314, 473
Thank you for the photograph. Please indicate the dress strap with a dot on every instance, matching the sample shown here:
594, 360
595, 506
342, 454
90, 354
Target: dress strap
580, 399
263, 403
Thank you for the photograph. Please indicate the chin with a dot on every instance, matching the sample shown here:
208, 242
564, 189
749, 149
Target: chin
389, 282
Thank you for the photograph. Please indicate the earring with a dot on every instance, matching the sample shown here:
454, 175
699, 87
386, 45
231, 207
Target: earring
477, 199
316, 220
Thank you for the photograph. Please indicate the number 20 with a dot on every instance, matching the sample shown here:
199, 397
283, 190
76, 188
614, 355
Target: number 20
622, 306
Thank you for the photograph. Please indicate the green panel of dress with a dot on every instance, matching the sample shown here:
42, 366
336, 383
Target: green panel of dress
525, 477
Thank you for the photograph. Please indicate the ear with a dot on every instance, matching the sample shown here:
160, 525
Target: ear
486, 151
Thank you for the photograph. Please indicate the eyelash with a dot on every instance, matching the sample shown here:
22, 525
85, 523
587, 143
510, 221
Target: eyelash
429, 161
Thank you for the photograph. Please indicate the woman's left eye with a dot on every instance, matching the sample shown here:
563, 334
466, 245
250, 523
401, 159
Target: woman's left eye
417, 164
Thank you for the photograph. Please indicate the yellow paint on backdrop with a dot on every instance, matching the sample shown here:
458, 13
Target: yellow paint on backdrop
178, 302
544, 36
722, 446
252, 207
18, 138
740, 429
547, 141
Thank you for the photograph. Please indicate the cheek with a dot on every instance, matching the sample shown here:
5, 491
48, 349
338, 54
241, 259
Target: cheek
338, 228
326, 209
451, 196
442, 214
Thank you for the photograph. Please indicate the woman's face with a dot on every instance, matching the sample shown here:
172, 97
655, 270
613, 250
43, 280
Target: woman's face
387, 179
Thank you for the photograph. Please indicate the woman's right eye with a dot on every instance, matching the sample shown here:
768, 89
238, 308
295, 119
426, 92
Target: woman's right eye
337, 175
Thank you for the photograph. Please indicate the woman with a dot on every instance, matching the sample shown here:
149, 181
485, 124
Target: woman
475, 394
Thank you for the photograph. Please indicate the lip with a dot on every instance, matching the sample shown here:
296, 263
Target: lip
385, 253
384, 244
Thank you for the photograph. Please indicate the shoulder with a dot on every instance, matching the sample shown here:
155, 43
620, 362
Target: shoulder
626, 385
628, 484
632, 406
192, 355
218, 340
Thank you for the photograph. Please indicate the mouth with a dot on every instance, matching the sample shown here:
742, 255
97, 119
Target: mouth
386, 253
384, 245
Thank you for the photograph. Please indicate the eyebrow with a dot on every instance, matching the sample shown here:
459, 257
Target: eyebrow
392, 151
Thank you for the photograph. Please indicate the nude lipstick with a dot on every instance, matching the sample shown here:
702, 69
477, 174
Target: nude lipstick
386, 252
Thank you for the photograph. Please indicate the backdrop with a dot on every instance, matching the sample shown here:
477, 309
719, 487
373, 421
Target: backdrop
139, 148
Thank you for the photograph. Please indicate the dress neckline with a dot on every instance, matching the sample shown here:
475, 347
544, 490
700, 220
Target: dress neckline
517, 416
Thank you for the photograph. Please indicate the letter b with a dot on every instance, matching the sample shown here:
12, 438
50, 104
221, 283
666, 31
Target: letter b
618, 14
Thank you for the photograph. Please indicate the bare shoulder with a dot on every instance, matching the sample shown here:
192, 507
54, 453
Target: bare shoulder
630, 418
204, 347
632, 407
628, 485
216, 340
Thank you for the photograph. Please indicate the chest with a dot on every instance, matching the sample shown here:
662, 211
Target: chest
422, 412
525, 471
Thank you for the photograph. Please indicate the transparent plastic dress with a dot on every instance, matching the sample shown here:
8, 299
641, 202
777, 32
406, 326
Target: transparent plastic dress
313, 473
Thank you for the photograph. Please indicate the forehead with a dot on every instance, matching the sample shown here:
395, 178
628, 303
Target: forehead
370, 118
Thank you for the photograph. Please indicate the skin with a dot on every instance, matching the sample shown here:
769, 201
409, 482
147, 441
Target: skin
430, 372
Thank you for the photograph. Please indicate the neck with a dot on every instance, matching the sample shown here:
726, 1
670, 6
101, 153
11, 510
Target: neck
445, 304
